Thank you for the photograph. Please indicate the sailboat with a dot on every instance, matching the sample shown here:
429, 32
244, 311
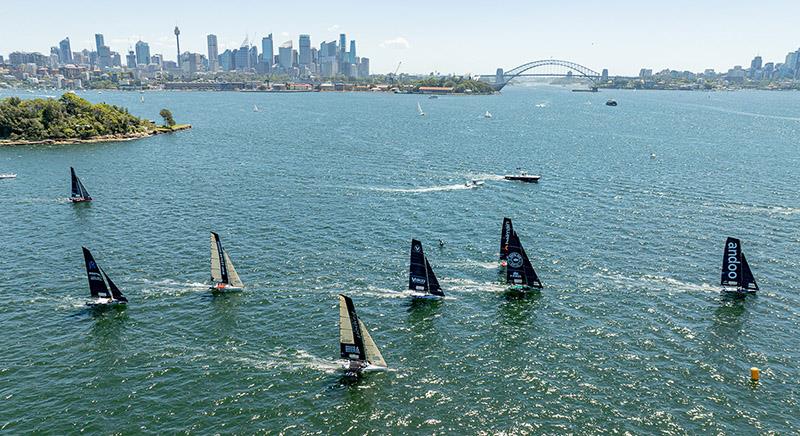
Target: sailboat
256, 109
79, 193
419, 109
519, 271
356, 346
102, 289
141, 99
735, 269
420, 274
505, 237
223, 274
487, 114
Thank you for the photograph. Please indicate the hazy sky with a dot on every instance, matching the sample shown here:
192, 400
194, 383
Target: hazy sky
445, 36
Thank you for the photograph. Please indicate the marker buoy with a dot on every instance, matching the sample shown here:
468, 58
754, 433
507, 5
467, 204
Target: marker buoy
755, 374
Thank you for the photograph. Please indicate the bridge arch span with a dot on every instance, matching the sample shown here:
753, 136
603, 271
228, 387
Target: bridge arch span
513, 73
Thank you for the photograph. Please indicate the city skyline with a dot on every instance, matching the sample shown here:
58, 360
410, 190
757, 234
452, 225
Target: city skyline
623, 37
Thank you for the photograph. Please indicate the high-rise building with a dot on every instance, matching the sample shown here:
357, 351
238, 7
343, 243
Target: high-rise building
755, 64
352, 52
104, 56
178, 44
267, 53
328, 65
142, 53
285, 56
130, 59
363, 68
213, 53
65, 51
242, 57
98, 41
304, 59
227, 60
252, 57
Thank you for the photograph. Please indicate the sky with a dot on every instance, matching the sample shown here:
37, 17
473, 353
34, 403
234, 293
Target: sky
442, 36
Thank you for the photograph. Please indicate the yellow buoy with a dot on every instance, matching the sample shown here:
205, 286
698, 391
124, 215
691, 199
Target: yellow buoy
755, 374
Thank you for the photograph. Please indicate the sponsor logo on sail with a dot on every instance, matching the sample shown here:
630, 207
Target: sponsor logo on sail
418, 280
733, 261
515, 260
417, 248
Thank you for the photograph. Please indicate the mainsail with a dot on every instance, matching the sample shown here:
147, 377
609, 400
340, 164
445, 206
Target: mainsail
519, 270
420, 275
78, 190
355, 343
222, 270
98, 279
735, 269
505, 236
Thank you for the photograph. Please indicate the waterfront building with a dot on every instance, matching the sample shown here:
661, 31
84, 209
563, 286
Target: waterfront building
213, 53
65, 51
267, 54
130, 59
285, 56
142, 53
304, 58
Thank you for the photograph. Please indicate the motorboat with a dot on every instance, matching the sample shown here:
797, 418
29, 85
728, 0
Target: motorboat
523, 177
8, 176
611, 103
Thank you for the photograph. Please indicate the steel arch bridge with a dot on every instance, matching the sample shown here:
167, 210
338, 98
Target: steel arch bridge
503, 77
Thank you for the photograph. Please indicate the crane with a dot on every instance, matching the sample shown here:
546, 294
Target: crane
394, 75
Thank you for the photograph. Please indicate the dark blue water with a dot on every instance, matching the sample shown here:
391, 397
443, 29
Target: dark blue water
319, 194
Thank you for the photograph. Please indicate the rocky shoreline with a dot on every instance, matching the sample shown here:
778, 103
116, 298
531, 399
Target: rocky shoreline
104, 138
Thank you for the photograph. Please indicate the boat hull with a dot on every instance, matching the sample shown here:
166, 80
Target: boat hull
527, 179
426, 297
80, 200
224, 287
104, 302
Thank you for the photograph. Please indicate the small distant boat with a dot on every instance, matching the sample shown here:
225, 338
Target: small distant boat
505, 238
256, 109
474, 183
523, 177
487, 115
420, 274
8, 176
141, 99
736, 274
223, 274
433, 97
652, 155
519, 271
611, 103
419, 109
355, 344
79, 193
101, 288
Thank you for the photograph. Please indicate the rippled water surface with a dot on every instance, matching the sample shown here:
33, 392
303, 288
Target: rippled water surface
320, 194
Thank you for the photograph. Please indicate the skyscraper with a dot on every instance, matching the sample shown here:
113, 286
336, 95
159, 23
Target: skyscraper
178, 42
343, 58
285, 56
755, 64
99, 42
130, 59
267, 53
142, 53
353, 51
65, 51
213, 53
305, 51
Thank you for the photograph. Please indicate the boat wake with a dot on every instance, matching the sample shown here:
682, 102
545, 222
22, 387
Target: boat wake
169, 287
467, 285
650, 281
455, 187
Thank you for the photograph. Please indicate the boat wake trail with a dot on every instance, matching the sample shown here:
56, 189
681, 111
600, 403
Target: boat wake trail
466, 285
455, 187
154, 288
649, 281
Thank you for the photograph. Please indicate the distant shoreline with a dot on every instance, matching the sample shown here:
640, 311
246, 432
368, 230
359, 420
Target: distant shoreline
98, 139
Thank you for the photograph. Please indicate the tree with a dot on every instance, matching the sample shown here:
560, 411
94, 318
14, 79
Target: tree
167, 116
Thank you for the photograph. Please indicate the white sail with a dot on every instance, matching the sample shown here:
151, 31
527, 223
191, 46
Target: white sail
233, 276
345, 329
370, 349
216, 272
419, 109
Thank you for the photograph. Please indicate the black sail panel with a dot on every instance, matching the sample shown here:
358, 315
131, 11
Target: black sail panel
530, 273
97, 286
515, 267
731, 274
417, 272
748, 281
76, 190
351, 340
505, 236
84, 192
115, 292
223, 268
433, 283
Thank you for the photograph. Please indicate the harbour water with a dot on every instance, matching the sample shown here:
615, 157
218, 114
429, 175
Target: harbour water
320, 194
